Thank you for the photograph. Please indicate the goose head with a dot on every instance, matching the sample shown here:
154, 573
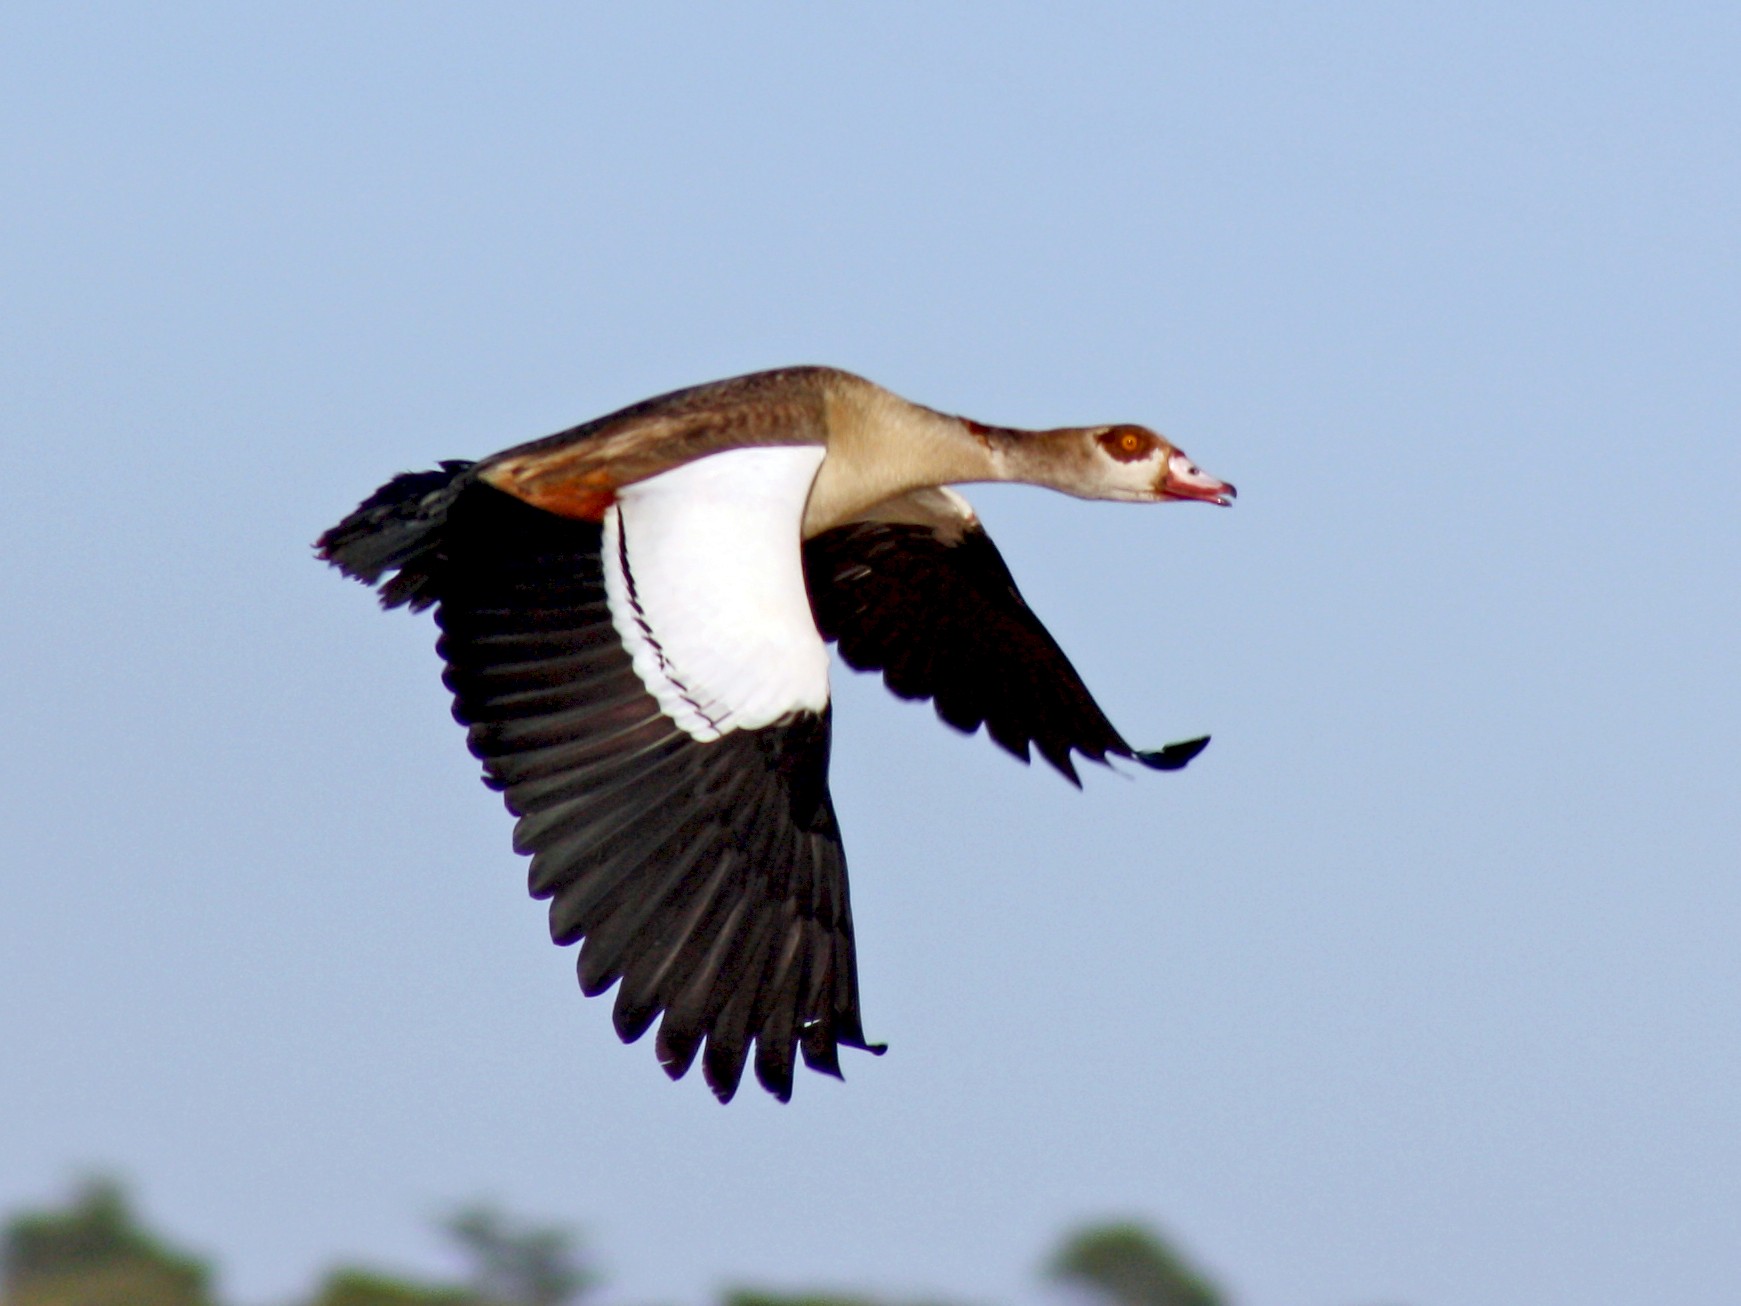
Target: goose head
1128, 463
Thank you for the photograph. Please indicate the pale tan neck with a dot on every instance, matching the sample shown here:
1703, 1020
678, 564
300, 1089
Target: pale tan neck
881, 446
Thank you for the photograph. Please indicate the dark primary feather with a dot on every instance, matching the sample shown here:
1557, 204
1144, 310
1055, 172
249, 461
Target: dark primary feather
706, 880
398, 527
943, 620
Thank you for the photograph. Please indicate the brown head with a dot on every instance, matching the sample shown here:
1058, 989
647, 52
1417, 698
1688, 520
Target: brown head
1128, 463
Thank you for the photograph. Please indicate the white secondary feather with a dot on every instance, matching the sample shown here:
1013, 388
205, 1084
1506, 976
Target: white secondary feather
705, 577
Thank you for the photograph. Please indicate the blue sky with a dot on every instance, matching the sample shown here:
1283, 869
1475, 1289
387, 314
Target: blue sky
1420, 986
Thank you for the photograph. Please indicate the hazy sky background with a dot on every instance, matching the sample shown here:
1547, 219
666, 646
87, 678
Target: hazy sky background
1421, 986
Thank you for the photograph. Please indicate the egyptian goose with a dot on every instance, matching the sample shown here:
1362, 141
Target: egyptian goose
635, 617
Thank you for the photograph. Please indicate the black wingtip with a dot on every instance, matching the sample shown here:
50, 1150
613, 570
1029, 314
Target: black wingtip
724, 1090
397, 528
1173, 757
1059, 757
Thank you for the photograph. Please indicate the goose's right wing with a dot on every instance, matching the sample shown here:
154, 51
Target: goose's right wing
918, 591
669, 771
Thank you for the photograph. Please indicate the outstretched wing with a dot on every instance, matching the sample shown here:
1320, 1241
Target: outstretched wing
920, 593
698, 862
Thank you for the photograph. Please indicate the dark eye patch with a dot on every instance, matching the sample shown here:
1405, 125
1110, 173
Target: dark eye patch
1129, 444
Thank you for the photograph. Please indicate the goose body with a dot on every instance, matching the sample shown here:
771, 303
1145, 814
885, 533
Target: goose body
635, 616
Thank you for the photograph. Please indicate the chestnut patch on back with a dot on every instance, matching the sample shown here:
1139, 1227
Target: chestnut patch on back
584, 498
1129, 444
573, 501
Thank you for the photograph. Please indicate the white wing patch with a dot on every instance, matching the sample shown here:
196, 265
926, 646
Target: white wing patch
705, 577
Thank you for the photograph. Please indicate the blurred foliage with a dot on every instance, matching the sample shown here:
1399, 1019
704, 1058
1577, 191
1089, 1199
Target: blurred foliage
94, 1252
756, 1297
519, 1265
759, 1297
1128, 1265
362, 1288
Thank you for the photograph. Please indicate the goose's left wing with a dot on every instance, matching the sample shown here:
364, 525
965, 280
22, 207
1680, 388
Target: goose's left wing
918, 591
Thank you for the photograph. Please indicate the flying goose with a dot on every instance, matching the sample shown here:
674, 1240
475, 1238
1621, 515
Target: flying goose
635, 616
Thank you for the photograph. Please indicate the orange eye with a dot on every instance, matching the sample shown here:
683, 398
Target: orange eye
1128, 443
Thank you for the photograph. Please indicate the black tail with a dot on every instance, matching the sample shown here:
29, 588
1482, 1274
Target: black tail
398, 528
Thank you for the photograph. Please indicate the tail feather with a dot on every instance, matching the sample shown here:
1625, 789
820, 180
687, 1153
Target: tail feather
398, 528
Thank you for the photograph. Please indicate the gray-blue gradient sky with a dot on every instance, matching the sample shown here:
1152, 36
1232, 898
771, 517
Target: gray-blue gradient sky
1420, 986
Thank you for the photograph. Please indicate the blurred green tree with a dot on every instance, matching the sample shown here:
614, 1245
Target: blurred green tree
759, 1297
1130, 1265
764, 1297
517, 1264
365, 1288
95, 1253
